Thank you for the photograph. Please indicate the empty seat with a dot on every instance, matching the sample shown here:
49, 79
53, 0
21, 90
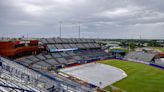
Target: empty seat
77, 57
70, 60
80, 45
74, 41
84, 40
25, 62
87, 45
59, 46
91, 45
66, 46
97, 45
79, 41
69, 40
56, 55
50, 40
51, 46
41, 57
52, 61
64, 54
58, 40
73, 45
64, 40
70, 53
41, 64
48, 56
33, 58
62, 60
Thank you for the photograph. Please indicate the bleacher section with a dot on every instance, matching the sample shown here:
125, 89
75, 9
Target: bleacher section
58, 43
140, 56
65, 52
61, 59
7, 85
59, 53
15, 77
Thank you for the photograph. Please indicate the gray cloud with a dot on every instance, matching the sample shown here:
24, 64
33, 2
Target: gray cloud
98, 18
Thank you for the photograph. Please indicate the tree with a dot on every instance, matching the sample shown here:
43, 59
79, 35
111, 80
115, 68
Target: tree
153, 43
132, 46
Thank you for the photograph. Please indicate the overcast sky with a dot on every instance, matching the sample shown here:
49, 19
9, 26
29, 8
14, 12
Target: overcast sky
98, 18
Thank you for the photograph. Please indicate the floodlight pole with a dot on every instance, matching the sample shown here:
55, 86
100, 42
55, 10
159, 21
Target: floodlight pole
79, 30
60, 23
140, 39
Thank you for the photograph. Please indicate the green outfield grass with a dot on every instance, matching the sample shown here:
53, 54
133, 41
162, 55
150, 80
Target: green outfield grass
141, 78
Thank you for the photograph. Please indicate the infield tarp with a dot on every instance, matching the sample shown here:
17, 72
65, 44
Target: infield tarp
97, 74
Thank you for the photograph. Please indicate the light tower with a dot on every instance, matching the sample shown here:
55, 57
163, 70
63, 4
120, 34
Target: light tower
60, 23
79, 30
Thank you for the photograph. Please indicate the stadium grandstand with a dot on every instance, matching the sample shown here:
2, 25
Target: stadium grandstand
65, 52
35, 63
153, 59
141, 57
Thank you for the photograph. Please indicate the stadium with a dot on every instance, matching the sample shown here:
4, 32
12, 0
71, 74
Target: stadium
39, 63
81, 46
62, 65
